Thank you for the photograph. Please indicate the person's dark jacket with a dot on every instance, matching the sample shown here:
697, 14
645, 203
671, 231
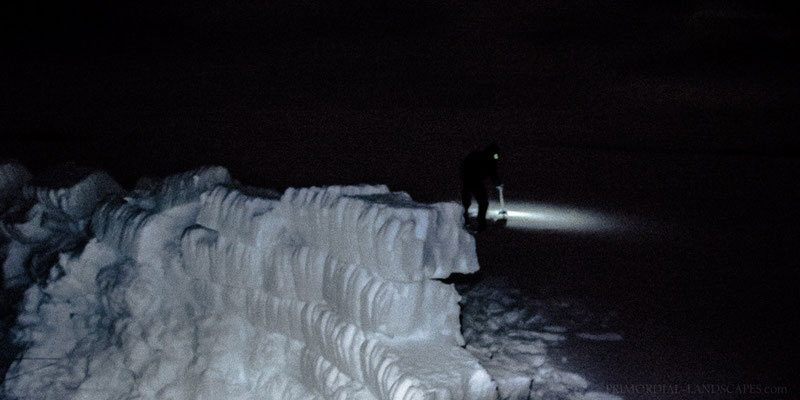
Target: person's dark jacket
480, 165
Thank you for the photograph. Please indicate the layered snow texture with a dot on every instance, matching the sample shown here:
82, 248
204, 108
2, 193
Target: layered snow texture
194, 287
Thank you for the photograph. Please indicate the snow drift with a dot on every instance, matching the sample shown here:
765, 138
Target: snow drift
195, 287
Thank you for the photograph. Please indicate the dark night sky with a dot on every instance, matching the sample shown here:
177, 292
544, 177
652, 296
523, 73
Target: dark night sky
298, 93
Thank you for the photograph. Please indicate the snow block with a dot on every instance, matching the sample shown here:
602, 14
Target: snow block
392, 308
203, 290
419, 369
248, 219
397, 238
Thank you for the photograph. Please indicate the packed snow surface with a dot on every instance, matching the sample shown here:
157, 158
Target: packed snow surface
196, 287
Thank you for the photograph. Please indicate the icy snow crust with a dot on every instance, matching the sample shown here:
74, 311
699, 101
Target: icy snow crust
190, 289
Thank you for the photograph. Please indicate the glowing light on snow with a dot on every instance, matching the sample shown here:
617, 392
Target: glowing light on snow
543, 216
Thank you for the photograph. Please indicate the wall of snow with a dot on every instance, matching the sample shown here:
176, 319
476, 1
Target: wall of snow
190, 288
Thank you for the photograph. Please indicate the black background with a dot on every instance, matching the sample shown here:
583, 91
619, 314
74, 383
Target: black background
298, 93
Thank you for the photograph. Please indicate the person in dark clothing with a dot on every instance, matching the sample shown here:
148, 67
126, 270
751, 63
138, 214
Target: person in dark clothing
475, 169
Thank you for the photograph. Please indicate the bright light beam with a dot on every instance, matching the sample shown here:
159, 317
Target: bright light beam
543, 216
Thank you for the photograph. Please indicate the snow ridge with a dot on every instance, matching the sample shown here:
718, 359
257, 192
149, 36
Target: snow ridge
78, 200
191, 289
400, 240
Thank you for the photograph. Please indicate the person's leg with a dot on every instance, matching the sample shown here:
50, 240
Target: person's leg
483, 205
466, 199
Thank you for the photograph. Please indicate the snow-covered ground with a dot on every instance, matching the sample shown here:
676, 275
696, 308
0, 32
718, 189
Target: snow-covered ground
197, 287
512, 335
